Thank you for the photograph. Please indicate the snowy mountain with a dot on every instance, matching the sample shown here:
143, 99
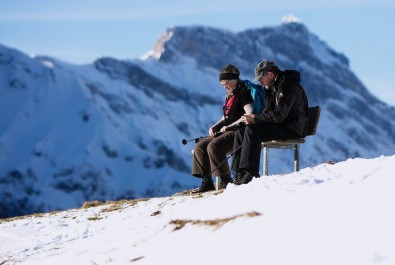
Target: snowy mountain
328, 214
112, 129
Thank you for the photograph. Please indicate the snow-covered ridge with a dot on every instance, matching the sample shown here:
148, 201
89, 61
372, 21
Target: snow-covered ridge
329, 214
112, 129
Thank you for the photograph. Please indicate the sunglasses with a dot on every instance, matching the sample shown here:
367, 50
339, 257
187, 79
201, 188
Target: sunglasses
224, 84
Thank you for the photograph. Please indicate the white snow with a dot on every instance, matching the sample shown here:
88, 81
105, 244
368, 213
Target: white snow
290, 19
341, 214
48, 64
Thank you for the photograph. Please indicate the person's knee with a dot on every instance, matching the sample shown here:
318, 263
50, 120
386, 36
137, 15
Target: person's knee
200, 146
251, 132
215, 149
239, 132
212, 148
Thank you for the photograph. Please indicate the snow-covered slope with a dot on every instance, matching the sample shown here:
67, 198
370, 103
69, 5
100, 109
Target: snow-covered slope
113, 129
328, 214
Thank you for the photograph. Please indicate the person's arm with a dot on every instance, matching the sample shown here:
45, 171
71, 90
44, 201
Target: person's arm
283, 106
217, 126
248, 110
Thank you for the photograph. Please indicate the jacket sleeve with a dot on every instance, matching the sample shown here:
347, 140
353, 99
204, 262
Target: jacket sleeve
285, 98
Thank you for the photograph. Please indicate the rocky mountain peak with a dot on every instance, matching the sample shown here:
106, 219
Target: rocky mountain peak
112, 129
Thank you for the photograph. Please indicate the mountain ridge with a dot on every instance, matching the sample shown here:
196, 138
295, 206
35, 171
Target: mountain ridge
112, 129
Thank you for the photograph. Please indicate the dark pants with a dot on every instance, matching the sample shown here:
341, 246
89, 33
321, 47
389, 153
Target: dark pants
209, 153
250, 137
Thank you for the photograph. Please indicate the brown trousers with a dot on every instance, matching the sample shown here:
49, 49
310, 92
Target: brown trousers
210, 152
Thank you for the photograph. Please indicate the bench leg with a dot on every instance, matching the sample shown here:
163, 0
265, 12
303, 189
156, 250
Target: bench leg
265, 161
296, 160
217, 182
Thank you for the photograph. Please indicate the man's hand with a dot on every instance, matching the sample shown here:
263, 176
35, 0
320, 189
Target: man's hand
211, 131
248, 118
224, 129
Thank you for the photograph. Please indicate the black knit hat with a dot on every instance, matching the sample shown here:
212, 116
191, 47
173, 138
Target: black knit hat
229, 72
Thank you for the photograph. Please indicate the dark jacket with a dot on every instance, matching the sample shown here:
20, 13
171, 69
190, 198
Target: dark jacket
242, 98
286, 103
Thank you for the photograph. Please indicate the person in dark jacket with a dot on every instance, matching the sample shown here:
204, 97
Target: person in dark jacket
212, 150
284, 117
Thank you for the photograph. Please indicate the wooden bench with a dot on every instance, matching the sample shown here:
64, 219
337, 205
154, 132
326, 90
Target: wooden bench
314, 116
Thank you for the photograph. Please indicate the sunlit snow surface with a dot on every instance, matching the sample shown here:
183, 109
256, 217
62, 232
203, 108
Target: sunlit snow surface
331, 214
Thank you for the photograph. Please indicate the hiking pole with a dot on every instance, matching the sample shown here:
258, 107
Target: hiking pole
185, 141
226, 159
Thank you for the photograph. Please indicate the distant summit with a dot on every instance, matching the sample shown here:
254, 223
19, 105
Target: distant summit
215, 48
290, 19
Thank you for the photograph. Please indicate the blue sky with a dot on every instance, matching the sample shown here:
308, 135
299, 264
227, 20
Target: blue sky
81, 31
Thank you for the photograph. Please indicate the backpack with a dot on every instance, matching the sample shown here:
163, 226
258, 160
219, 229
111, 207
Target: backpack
258, 95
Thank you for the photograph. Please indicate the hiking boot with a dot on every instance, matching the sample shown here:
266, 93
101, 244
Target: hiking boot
225, 180
207, 185
239, 175
246, 178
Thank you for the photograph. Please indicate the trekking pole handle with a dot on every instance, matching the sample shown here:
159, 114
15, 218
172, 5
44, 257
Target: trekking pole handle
185, 141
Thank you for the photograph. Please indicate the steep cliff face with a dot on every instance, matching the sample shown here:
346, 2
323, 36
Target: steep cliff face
113, 129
